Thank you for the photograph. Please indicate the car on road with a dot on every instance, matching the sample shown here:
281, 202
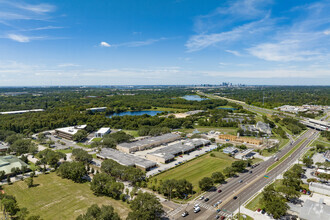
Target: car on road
235, 197
207, 199
241, 181
219, 190
185, 214
218, 210
201, 198
196, 206
217, 217
215, 205
220, 201
197, 209
222, 217
250, 171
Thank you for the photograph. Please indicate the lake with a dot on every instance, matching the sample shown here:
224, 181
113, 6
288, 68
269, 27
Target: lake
193, 98
135, 113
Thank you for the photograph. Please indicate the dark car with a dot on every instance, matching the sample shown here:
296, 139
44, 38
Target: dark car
219, 191
235, 197
218, 210
207, 199
250, 171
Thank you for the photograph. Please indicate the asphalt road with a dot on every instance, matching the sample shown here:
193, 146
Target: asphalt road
251, 184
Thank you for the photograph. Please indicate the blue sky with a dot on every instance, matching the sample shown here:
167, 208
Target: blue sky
127, 42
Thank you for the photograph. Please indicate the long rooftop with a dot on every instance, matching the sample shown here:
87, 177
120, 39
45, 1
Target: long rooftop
150, 140
125, 159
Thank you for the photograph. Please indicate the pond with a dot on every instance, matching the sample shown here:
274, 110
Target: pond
134, 113
193, 98
226, 108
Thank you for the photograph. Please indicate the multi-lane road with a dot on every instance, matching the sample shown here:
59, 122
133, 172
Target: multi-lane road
245, 185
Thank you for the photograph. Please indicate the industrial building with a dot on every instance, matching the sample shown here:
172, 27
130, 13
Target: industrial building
21, 111
311, 210
97, 109
102, 131
68, 132
3, 147
230, 150
168, 153
126, 159
259, 127
147, 143
244, 155
240, 139
9, 162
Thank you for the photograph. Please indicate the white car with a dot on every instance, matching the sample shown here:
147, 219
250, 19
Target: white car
201, 198
196, 206
197, 209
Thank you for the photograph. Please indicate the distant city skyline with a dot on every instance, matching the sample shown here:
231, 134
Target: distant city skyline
174, 42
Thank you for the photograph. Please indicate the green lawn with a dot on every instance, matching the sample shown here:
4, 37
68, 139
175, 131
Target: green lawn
134, 133
195, 170
66, 151
97, 139
254, 204
57, 198
321, 140
207, 129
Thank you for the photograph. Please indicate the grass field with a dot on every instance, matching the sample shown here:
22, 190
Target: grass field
207, 129
57, 198
321, 140
134, 133
66, 151
193, 171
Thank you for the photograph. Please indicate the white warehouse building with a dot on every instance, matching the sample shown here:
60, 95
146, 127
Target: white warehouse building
102, 131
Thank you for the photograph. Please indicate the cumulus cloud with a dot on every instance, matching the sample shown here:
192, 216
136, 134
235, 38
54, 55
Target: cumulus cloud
104, 44
327, 32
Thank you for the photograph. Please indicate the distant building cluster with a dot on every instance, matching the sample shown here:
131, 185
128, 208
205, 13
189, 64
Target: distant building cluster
97, 109
21, 111
314, 109
259, 127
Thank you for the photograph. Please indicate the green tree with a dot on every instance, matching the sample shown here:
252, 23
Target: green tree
229, 172
218, 177
145, 206
80, 135
97, 213
206, 183
308, 161
29, 182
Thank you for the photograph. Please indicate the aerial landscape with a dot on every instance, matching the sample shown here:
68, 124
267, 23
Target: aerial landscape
146, 110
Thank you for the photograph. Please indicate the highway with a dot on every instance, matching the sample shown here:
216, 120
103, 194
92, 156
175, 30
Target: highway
251, 184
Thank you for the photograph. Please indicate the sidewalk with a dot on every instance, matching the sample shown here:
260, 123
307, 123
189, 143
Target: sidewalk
255, 215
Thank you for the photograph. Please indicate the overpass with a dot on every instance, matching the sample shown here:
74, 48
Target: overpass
316, 124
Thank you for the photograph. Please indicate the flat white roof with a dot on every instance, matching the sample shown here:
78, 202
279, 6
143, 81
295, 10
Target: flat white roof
71, 130
103, 130
21, 111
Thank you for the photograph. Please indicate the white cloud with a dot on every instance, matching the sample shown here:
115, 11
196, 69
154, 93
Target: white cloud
104, 44
139, 43
327, 32
19, 38
68, 65
40, 8
202, 41
236, 53
285, 51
